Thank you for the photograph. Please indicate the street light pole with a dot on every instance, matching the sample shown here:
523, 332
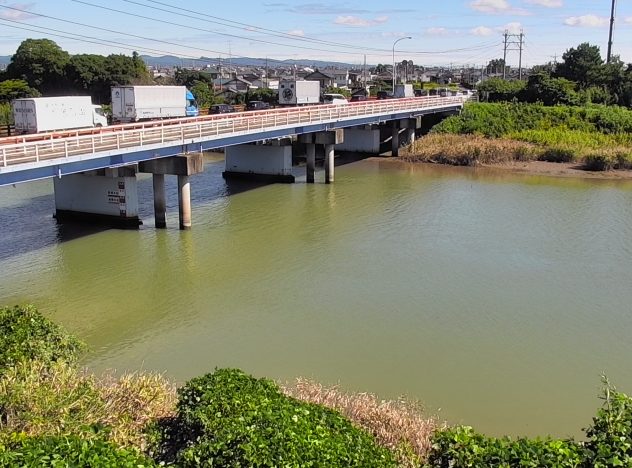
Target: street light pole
394, 69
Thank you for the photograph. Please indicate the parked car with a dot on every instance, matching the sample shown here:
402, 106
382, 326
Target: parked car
257, 105
421, 92
358, 98
384, 95
332, 98
221, 109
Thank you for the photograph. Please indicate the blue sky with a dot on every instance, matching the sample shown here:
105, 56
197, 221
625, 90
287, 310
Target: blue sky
443, 32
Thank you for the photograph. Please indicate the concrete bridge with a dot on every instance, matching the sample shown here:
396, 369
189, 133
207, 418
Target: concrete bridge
95, 170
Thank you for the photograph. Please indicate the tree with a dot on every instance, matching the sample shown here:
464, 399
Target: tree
187, 78
16, 89
550, 91
582, 65
203, 94
124, 70
87, 74
498, 90
42, 64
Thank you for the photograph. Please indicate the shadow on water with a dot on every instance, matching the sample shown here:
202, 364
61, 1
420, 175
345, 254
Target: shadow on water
29, 225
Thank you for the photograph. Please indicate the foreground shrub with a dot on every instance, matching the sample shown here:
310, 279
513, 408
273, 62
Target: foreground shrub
610, 436
399, 425
462, 447
228, 418
58, 400
27, 335
69, 451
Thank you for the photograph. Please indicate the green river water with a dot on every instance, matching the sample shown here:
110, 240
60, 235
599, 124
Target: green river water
495, 299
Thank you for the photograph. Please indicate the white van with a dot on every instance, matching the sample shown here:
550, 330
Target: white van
332, 98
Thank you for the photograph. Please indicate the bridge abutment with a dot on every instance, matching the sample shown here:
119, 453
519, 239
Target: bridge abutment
107, 196
182, 166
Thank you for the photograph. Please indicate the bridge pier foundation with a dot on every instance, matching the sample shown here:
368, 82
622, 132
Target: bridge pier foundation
107, 196
329, 164
182, 166
395, 139
328, 139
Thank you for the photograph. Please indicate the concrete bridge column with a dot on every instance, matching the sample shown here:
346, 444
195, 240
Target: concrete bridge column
329, 164
160, 204
395, 139
311, 163
411, 136
182, 166
329, 139
184, 202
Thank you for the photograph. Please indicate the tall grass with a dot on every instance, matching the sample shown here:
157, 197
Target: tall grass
400, 426
600, 137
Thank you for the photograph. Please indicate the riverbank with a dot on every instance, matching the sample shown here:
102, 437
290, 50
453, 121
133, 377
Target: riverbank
592, 138
52, 412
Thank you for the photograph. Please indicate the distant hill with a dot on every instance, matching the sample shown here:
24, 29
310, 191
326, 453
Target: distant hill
172, 61
5, 59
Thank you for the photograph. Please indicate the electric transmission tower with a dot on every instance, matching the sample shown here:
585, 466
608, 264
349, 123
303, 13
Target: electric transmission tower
513, 42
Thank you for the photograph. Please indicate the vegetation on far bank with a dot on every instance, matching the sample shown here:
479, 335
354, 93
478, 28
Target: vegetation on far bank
53, 414
597, 137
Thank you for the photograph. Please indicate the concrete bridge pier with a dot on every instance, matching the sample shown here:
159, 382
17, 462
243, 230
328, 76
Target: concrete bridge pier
107, 196
271, 161
410, 126
328, 139
182, 166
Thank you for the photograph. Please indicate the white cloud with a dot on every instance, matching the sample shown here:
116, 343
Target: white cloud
356, 21
16, 14
482, 31
297, 32
586, 21
511, 28
497, 7
437, 32
547, 3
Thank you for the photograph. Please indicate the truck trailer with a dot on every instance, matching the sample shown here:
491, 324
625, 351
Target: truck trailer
136, 103
47, 114
299, 92
404, 91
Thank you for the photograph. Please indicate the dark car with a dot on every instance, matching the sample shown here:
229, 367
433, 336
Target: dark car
421, 92
358, 98
221, 109
257, 105
384, 95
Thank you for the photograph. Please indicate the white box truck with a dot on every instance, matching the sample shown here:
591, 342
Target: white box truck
404, 91
134, 103
299, 92
47, 114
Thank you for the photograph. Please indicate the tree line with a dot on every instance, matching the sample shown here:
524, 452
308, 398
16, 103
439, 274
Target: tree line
583, 77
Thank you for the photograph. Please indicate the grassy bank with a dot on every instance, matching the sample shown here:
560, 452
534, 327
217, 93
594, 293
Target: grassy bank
53, 414
599, 137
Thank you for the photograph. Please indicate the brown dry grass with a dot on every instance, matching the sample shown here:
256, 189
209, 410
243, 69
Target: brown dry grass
469, 150
59, 399
398, 425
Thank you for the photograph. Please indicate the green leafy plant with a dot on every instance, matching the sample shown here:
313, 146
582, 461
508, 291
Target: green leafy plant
68, 451
25, 334
228, 418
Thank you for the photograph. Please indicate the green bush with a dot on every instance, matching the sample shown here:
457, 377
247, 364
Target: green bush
610, 436
27, 335
228, 418
462, 447
58, 452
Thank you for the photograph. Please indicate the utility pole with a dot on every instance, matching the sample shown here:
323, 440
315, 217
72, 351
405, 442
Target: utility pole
513, 42
364, 73
267, 78
612, 12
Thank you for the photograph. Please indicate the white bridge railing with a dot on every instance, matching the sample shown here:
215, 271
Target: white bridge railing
59, 145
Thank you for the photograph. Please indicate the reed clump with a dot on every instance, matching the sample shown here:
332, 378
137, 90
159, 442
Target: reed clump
58, 399
469, 150
399, 425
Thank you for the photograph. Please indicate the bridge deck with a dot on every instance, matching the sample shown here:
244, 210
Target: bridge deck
37, 156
